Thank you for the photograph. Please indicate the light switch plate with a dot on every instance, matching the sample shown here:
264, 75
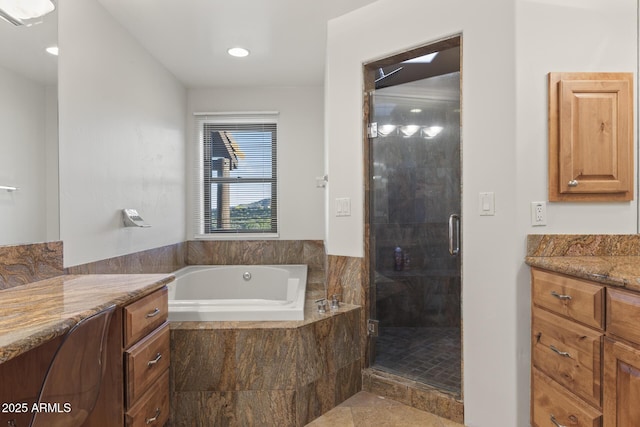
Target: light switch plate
487, 204
343, 206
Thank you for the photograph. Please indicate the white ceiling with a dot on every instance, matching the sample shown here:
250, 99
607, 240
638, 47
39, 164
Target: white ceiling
287, 39
22, 49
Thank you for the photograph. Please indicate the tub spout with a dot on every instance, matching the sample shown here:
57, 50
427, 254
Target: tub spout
335, 302
322, 305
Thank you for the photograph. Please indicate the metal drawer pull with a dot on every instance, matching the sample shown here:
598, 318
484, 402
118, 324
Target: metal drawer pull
155, 418
560, 296
150, 363
154, 313
573, 183
561, 353
554, 421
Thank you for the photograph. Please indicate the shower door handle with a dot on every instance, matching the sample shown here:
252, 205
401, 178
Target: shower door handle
454, 234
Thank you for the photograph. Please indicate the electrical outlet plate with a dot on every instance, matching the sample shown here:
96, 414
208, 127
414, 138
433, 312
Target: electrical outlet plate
538, 214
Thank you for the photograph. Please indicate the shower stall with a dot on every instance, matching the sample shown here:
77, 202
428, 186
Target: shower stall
414, 227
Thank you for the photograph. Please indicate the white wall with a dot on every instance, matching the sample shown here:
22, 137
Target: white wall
23, 132
577, 35
508, 47
300, 148
122, 139
52, 202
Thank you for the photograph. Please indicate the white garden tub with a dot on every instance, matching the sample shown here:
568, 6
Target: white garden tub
238, 292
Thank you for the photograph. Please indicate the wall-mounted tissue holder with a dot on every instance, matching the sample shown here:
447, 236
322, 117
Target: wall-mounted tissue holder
131, 218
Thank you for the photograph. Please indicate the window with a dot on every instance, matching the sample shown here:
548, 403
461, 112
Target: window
237, 174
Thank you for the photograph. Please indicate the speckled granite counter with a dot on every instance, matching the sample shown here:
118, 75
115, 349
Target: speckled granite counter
35, 313
608, 259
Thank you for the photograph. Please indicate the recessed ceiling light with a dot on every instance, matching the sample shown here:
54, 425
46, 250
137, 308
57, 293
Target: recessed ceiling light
53, 50
416, 110
238, 52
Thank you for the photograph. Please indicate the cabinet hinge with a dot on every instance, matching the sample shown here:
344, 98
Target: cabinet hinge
372, 130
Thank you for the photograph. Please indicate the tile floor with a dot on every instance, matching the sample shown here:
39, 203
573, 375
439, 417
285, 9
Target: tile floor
430, 355
370, 410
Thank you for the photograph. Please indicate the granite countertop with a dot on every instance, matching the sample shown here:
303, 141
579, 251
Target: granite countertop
622, 271
35, 313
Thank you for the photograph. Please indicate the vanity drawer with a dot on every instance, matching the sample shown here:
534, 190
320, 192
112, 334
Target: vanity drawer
576, 299
153, 407
551, 402
623, 314
145, 362
569, 353
145, 315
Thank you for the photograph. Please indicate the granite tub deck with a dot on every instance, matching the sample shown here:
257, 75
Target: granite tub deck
38, 312
264, 373
608, 259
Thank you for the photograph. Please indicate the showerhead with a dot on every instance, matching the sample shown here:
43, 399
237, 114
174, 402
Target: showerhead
384, 76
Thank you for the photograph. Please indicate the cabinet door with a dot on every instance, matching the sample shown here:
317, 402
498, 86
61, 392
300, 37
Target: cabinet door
621, 406
591, 136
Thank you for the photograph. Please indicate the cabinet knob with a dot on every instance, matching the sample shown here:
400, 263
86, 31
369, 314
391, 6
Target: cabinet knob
573, 183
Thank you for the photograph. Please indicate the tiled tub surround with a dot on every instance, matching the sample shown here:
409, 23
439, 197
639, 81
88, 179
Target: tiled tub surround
165, 259
264, 373
170, 258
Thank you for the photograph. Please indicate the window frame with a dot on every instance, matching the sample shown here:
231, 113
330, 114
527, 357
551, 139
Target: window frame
203, 198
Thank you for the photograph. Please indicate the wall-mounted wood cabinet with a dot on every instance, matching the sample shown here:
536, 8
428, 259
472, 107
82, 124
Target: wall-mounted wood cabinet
591, 136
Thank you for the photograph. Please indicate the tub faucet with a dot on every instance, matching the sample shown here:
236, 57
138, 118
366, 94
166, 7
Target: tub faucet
335, 302
322, 305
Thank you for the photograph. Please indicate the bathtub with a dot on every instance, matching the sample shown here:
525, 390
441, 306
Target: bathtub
238, 292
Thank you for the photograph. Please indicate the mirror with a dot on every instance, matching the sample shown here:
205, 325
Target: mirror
28, 133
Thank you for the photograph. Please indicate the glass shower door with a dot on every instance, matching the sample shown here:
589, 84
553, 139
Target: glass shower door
415, 231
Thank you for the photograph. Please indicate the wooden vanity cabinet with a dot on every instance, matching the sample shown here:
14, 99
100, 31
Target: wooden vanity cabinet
135, 389
585, 353
622, 360
567, 321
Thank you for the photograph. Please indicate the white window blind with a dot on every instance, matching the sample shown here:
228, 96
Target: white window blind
236, 174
